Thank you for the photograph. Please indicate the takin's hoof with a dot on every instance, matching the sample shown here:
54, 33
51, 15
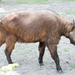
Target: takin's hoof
59, 71
11, 62
41, 64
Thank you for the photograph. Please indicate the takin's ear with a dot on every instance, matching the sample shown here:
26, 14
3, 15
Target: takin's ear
73, 27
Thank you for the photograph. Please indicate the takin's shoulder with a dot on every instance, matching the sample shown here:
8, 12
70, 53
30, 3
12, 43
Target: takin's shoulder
9, 17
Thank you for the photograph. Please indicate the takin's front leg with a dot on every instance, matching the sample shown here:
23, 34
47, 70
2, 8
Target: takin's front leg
41, 52
53, 51
10, 42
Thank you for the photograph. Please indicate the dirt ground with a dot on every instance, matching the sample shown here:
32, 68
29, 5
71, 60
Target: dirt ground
26, 55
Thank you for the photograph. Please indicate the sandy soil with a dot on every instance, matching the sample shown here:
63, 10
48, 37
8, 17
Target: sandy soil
27, 54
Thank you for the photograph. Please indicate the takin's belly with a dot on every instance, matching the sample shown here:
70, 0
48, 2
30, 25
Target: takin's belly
33, 37
31, 40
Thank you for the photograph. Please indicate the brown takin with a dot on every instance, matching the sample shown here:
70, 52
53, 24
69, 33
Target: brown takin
45, 27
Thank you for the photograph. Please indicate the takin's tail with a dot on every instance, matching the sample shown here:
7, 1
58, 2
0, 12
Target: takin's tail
0, 22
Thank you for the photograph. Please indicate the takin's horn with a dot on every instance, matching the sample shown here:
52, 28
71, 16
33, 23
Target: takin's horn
74, 22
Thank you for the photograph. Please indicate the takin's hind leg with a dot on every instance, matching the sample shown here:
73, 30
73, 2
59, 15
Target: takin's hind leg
53, 51
41, 52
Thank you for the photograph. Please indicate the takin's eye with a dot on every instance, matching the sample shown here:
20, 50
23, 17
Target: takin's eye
71, 23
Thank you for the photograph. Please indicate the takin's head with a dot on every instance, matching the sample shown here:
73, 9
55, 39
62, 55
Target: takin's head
72, 34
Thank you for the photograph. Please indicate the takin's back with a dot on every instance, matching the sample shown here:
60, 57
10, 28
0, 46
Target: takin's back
32, 26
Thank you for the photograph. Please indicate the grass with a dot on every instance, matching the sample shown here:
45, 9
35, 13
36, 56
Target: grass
72, 67
10, 2
67, 0
70, 11
66, 49
59, 51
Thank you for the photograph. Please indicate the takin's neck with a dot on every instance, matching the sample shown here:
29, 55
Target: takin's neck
66, 27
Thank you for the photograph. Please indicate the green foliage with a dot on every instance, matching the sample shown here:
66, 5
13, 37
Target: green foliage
9, 67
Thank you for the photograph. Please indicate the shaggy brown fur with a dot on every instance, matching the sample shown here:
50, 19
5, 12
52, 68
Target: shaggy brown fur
43, 26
